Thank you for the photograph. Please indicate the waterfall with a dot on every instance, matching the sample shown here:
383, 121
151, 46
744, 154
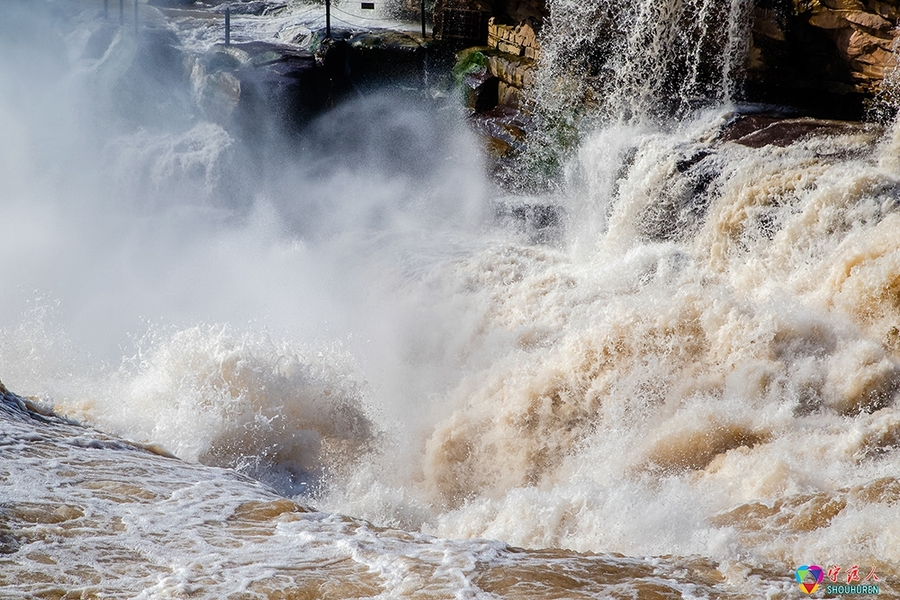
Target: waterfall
688, 390
630, 61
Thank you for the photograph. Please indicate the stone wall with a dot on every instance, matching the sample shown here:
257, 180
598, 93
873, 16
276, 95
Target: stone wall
509, 61
518, 40
496, 77
514, 63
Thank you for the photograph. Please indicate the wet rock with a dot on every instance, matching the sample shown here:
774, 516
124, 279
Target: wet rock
518, 40
384, 57
480, 87
362, 61
682, 206
251, 7
99, 41
757, 131
260, 86
490, 76
503, 129
514, 70
539, 219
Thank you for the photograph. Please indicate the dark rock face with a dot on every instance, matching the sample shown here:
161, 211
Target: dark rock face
757, 131
265, 88
262, 87
357, 62
376, 58
829, 57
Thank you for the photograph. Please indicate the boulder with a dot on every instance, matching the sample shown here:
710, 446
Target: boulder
260, 86
503, 131
759, 130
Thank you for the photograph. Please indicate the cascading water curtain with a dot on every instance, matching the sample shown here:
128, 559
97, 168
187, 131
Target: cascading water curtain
630, 61
633, 63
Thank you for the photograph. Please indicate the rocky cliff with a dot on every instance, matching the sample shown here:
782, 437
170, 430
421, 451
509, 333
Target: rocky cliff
827, 57
833, 57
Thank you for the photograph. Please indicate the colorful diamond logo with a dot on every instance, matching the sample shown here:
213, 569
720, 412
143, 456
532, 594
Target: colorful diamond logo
809, 577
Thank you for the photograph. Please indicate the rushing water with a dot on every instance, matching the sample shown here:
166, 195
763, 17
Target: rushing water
639, 59
375, 388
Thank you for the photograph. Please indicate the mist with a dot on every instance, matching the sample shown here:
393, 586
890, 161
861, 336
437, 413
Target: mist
134, 221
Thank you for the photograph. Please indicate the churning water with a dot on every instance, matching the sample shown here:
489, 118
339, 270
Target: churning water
373, 388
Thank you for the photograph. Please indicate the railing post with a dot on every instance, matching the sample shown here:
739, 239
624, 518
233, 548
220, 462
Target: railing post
121, 12
136, 4
328, 19
227, 26
106, 9
423, 20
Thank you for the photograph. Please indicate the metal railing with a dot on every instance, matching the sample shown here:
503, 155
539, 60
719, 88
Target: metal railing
122, 13
136, 3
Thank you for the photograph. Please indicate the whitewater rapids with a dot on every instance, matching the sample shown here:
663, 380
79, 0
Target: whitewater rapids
375, 388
